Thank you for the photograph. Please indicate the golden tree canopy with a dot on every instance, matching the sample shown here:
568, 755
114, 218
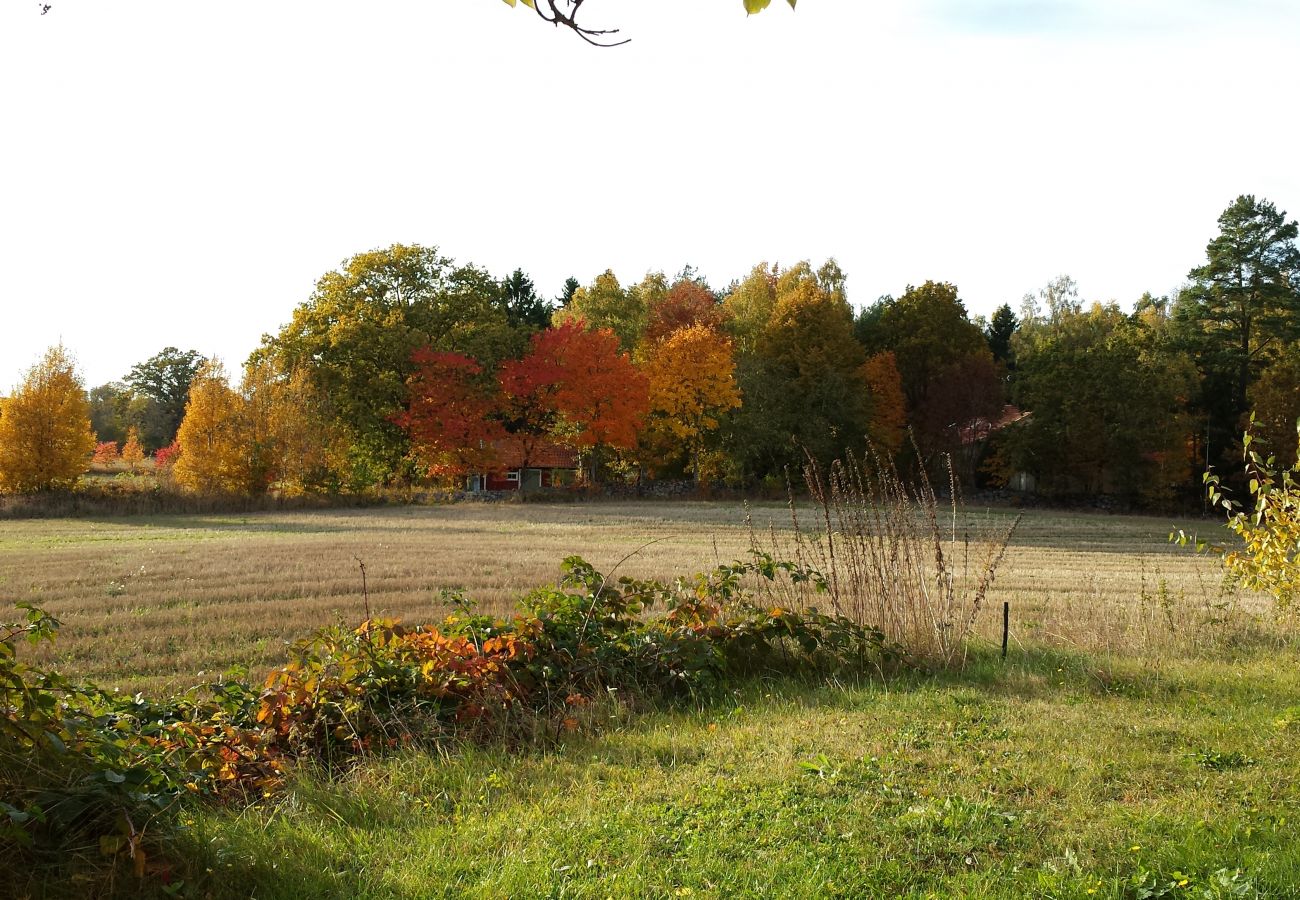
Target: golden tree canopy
45, 435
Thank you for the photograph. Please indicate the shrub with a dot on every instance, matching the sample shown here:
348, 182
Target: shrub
1268, 558
76, 762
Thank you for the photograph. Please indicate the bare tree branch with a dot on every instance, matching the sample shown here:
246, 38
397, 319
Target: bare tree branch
559, 18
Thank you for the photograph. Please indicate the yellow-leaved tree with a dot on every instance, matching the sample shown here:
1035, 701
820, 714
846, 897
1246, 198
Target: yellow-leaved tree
45, 435
212, 456
692, 383
271, 433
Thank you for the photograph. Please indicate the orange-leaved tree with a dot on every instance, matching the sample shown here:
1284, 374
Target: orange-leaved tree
449, 415
888, 423
105, 453
692, 383
132, 450
577, 386
45, 435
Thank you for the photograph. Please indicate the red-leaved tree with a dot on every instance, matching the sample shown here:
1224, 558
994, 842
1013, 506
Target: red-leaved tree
449, 415
576, 385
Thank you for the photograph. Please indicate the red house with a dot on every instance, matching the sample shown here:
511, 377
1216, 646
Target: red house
545, 464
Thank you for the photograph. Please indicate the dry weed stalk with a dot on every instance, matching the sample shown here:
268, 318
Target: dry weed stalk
892, 561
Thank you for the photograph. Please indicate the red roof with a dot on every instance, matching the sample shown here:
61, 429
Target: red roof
545, 454
980, 429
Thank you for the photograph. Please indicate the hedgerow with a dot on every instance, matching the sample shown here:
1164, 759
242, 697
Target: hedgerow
84, 768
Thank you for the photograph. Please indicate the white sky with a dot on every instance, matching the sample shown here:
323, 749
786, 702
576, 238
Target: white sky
182, 173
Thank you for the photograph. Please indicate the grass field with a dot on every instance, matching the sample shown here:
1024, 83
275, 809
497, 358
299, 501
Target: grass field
1140, 742
151, 602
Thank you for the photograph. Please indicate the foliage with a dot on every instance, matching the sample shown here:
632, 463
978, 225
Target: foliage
748, 307
692, 383
999, 332
1109, 404
606, 304
448, 415
1244, 302
524, 307
1275, 402
75, 760
888, 424
165, 457
133, 451
212, 457
937, 349
105, 453
574, 383
803, 389
45, 436
275, 432
356, 335
686, 303
164, 379
1268, 527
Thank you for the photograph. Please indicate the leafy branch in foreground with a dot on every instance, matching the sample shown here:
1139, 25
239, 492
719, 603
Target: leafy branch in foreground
1268, 559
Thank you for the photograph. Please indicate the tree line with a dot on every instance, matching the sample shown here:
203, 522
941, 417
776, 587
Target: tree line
405, 367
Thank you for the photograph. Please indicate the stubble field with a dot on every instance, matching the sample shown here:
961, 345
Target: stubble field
150, 603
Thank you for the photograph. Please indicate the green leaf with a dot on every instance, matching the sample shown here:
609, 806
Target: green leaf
756, 6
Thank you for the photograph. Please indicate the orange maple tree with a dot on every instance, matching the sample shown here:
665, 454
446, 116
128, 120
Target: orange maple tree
575, 385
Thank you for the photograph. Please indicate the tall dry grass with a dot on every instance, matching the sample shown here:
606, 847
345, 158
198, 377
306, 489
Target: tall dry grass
895, 555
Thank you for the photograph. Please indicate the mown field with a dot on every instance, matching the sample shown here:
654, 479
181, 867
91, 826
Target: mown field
148, 603
1140, 742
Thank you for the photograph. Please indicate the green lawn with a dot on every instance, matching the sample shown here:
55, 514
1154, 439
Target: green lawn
1053, 775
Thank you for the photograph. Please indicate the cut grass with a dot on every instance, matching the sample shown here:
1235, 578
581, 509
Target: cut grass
148, 603
1045, 777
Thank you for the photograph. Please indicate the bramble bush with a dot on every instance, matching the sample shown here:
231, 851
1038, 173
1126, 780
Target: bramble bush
80, 765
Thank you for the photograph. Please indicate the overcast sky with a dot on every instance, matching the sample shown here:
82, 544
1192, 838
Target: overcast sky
182, 173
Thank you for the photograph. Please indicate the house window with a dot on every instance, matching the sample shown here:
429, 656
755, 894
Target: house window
512, 476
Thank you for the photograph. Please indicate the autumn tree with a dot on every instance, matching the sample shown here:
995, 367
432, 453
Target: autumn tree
105, 454
887, 427
45, 436
212, 458
576, 385
687, 302
450, 415
132, 450
356, 335
748, 307
692, 384
936, 346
